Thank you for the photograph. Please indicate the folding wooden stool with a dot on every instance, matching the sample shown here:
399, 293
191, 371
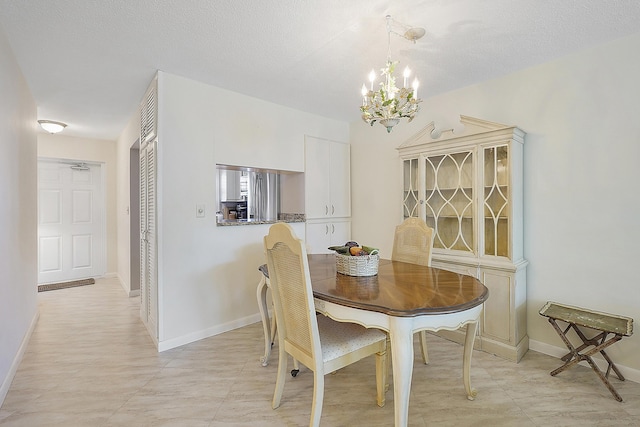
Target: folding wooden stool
607, 324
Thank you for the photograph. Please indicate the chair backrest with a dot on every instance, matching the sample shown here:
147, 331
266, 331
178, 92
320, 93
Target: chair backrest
292, 294
413, 242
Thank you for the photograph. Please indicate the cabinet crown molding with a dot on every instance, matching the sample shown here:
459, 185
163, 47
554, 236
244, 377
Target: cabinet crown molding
471, 127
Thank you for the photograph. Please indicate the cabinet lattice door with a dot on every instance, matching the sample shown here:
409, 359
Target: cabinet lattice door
449, 200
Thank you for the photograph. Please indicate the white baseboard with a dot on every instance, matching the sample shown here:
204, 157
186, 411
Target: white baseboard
129, 292
209, 332
630, 374
6, 383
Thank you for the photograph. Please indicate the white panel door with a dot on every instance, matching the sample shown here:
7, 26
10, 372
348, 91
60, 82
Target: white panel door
70, 222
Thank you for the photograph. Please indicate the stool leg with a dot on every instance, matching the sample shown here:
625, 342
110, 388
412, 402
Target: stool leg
572, 358
604, 379
598, 340
576, 356
612, 366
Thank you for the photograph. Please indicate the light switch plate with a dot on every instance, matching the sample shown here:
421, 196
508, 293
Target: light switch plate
200, 211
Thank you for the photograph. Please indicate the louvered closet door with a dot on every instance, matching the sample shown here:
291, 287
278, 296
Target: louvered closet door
148, 240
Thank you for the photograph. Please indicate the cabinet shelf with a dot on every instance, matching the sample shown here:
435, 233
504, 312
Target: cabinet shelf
467, 190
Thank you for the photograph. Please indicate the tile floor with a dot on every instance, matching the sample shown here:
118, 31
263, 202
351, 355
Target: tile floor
90, 362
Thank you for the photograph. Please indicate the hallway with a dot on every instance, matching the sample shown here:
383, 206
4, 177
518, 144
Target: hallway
91, 362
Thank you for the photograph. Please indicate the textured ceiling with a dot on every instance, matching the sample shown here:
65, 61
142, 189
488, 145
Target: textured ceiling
88, 63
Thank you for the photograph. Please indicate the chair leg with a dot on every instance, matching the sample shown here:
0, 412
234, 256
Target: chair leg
382, 383
318, 397
269, 332
423, 347
282, 373
388, 363
274, 326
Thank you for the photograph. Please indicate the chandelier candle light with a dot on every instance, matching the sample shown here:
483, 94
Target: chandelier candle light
389, 104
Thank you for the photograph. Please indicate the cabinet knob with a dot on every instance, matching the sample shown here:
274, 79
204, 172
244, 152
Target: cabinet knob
326, 209
333, 209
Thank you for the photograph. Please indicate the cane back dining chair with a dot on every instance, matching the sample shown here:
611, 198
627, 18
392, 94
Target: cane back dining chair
321, 344
412, 243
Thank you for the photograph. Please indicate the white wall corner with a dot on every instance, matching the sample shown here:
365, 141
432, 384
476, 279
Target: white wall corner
6, 383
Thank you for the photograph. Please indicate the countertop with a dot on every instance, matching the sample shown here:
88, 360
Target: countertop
282, 218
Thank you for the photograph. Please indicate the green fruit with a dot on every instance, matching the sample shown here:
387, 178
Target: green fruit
339, 249
369, 249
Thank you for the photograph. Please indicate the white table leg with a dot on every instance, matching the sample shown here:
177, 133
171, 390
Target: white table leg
466, 363
401, 335
264, 314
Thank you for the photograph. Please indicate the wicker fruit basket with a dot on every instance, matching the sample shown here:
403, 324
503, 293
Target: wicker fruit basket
366, 265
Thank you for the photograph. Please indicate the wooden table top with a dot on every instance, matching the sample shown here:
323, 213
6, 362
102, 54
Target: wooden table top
399, 289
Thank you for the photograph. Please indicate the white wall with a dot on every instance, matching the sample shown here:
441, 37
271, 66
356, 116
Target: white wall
18, 223
208, 274
581, 179
124, 143
60, 146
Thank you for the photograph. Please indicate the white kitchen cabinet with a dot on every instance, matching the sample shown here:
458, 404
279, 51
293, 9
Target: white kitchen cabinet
468, 188
327, 194
327, 179
322, 234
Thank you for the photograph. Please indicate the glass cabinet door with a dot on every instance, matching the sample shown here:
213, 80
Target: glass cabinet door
496, 201
449, 200
410, 190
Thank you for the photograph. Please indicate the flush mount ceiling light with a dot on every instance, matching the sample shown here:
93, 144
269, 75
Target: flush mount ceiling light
51, 126
389, 103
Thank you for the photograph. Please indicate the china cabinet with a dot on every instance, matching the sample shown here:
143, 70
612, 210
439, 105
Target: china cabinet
327, 193
468, 188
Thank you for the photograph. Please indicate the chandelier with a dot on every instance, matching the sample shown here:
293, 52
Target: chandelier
388, 104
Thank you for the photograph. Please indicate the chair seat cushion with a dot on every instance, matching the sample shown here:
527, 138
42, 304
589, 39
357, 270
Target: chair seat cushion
340, 338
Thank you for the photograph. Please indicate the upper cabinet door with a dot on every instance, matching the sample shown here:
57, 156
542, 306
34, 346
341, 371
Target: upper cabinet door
449, 200
327, 179
340, 180
410, 189
495, 201
316, 178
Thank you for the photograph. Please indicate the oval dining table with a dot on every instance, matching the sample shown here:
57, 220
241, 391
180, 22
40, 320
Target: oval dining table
401, 299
